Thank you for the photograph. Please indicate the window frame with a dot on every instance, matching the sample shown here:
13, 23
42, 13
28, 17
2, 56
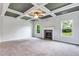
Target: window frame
62, 22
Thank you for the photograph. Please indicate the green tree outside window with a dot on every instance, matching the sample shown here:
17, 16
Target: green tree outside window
38, 28
67, 28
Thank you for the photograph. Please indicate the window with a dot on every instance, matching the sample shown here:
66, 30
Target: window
67, 28
38, 28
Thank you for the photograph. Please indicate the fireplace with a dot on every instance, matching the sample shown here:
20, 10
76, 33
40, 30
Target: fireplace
48, 34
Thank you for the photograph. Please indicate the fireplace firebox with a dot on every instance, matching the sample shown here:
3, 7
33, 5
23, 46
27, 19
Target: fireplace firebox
48, 34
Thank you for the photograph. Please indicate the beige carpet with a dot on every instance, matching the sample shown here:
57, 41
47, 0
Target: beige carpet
37, 47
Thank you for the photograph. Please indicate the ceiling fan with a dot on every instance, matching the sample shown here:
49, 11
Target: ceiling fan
37, 13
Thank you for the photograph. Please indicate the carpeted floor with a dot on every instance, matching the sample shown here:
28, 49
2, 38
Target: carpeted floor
37, 47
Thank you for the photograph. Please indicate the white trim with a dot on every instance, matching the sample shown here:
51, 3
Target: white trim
14, 11
36, 6
4, 9
26, 12
47, 11
65, 7
42, 7
61, 30
50, 28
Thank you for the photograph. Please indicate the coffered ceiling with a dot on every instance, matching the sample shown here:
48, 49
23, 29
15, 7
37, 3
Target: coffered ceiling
21, 7
22, 10
11, 14
53, 6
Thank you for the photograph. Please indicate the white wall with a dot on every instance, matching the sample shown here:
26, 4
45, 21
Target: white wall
45, 23
1, 21
14, 29
1, 28
71, 16
55, 22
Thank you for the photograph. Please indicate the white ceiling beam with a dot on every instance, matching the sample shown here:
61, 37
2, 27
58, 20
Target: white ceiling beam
5, 7
47, 11
26, 12
36, 6
14, 11
44, 4
33, 8
42, 7
66, 7
25, 15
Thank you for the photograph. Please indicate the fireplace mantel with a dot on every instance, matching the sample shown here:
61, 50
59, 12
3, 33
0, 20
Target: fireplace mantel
51, 28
